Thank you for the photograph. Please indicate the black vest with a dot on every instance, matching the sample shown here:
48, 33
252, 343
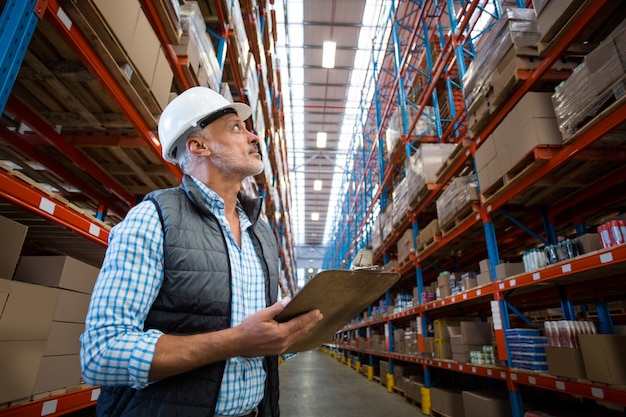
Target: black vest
196, 297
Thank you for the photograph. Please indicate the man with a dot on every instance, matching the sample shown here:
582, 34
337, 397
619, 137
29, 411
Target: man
181, 321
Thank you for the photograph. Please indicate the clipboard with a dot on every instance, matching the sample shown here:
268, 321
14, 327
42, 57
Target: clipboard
340, 295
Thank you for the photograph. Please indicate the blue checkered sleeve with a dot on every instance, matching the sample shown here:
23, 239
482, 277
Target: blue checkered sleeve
114, 348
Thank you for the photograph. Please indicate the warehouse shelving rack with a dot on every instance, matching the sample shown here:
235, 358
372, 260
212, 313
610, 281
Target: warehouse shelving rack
72, 229
451, 59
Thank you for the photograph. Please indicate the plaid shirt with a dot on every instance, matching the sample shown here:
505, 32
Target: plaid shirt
116, 350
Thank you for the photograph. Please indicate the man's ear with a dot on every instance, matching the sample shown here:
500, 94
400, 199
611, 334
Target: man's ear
196, 146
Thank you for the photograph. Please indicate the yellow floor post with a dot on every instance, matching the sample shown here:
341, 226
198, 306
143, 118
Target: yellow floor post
370, 372
389, 382
357, 366
425, 400
349, 362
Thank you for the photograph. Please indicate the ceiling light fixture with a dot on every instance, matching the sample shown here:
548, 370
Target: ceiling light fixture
328, 54
321, 139
317, 185
315, 216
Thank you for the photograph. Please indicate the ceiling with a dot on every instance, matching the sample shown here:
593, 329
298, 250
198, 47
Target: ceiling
317, 99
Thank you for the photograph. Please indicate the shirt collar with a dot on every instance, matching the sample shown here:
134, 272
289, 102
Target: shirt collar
216, 205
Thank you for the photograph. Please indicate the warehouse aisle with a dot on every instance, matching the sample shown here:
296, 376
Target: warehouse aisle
314, 385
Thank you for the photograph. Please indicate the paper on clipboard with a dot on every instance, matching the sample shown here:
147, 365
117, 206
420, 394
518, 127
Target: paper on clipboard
340, 295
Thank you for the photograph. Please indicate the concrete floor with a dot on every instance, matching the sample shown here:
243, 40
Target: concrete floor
315, 385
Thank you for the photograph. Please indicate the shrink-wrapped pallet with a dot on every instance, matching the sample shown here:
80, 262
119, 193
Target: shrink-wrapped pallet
516, 29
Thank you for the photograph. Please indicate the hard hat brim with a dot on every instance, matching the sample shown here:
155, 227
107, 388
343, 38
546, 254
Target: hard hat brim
243, 112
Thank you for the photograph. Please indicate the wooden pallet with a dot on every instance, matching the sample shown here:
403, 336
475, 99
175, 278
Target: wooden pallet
428, 242
436, 413
522, 168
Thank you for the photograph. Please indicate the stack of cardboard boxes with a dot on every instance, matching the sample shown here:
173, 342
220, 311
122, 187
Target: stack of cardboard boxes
129, 24
43, 304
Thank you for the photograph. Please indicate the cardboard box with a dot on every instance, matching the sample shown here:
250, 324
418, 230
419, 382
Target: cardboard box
604, 65
444, 292
603, 355
5, 289
447, 401
554, 15
566, 362
13, 235
590, 242
56, 372
441, 327
483, 279
72, 306
476, 333
534, 105
469, 283
121, 16
483, 404
429, 346
19, 365
162, 79
28, 312
486, 152
509, 269
442, 349
144, 48
58, 272
485, 266
64, 339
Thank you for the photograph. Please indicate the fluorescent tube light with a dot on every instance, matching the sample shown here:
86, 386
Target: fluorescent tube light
317, 185
328, 54
321, 139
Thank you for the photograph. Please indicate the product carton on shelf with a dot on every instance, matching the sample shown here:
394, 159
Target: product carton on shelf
476, 333
57, 372
58, 272
603, 355
552, 17
483, 278
508, 269
447, 401
13, 235
590, 242
63, 339
486, 404
19, 366
442, 349
19, 320
566, 362
72, 306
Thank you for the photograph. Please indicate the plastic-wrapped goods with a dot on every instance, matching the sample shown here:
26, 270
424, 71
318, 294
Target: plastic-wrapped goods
386, 221
534, 259
376, 234
400, 201
422, 167
566, 249
516, 28
395, 128
194, 28
612, 233
589, 87
564, 333
454, 199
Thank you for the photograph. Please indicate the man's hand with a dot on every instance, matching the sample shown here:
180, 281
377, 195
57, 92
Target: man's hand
261, 335
258, 335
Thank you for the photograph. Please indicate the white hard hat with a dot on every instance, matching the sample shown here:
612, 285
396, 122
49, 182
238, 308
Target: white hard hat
193, 108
